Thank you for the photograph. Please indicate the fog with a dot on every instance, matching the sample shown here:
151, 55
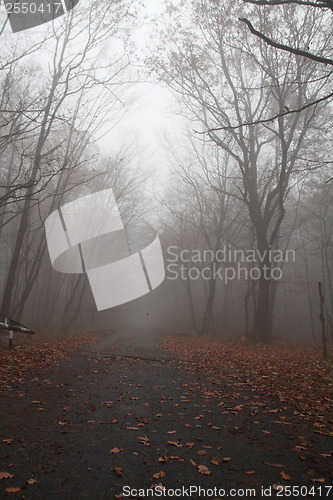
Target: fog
212, 141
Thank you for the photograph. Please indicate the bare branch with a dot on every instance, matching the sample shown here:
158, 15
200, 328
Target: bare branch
298, 52
322, 4
267, 120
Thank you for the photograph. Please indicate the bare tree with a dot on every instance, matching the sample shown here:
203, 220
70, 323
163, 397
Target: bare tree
73, 77
211, 67
314, 49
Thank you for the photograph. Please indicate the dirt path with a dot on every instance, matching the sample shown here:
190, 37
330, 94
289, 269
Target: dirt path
121, 412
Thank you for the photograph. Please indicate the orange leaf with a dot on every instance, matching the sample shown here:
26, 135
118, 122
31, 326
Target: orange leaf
117, 470
13, 490
5, 475
116, 450
285, 476
159, 475
31, 481
204, 470
175, 443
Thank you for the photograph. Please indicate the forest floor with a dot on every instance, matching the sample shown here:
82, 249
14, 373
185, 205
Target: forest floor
110, 417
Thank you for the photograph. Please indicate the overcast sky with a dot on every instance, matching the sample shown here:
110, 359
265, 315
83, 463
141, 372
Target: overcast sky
151, 118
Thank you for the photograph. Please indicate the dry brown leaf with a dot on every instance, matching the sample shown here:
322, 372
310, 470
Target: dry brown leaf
116, 450
13, 490
32, 481
117, 470
285, 476
144, 440
159, 475
204, 470
175, 443
5, 475
279, 466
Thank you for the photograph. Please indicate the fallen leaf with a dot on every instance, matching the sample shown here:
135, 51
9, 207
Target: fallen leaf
116, 450
204, 470
5, 475
159, 475
285, 476
32, 481
175, 443
144, 440
13, 490
117, 470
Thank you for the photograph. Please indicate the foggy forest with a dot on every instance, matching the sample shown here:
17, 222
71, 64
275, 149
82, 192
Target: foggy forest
166, 244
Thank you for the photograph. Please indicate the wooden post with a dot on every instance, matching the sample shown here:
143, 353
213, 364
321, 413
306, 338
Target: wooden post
11, 336
322, 319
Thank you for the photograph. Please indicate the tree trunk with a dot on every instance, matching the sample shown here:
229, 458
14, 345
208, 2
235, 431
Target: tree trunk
322, 320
